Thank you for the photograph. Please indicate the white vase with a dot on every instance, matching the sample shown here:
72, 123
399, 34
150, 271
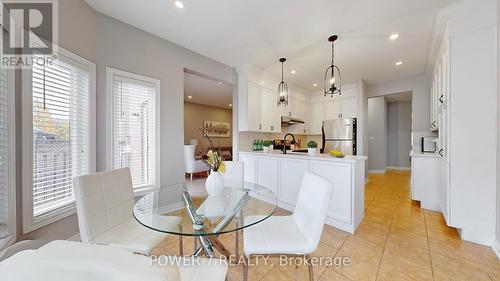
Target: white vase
266, 149
311, 151
214, 184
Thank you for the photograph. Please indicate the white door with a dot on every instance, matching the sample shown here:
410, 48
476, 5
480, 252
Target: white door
250, 164
254, 107
349, 108
340, 176
291, 174
333, 110
317, 117
267, 173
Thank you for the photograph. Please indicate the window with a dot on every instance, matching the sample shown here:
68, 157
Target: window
133, 133
7, 163
58, 135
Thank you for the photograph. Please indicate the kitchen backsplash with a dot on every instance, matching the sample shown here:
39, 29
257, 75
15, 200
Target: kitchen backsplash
247, 139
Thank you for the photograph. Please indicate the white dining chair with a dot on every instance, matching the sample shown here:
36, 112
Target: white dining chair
66, 260
295, 235
104, 203
191, 165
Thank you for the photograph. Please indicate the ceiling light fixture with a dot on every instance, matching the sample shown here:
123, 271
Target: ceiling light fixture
179, 4
293, 72
315, 85
398, 63
189, 97
394, 36
332, 81
230, 105
282, 88
220, 83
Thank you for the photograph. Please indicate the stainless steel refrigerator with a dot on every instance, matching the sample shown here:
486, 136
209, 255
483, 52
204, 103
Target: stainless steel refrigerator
339, 134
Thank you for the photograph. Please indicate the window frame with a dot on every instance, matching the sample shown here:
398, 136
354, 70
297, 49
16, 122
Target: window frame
30, 223
110, 73
11, 142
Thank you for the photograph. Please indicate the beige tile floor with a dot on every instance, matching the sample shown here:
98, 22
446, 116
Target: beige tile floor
396, 241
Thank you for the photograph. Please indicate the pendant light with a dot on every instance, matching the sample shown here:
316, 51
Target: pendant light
282, 88
332, 74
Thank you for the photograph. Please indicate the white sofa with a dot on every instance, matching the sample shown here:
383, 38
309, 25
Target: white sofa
74, 261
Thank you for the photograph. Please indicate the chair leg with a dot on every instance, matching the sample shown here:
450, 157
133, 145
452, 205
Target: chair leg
309, 266
181, 245
195, 242
245, 267
237, 239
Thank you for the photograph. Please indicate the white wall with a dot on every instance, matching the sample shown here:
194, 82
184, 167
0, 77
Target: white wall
497, 242
420, 87
377, 134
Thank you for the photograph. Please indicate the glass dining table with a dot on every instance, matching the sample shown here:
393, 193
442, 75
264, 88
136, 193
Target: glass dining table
205, 217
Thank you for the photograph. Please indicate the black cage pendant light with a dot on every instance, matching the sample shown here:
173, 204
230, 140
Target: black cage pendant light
282, 88
332, 75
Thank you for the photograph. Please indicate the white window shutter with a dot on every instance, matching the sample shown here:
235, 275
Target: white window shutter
5, 169
60, 132
134, 129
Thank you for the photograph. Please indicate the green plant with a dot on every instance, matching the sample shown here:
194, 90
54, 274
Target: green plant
267, 143
312, 144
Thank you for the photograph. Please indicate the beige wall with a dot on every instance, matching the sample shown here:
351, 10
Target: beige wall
195, 114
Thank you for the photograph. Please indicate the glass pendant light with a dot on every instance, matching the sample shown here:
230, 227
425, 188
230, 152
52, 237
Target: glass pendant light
332, 74
282, 88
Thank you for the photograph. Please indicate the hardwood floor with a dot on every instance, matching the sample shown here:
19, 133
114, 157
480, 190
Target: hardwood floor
396, 241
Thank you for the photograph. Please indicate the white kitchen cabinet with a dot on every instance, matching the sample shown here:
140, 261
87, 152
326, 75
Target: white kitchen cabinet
283, 173
349, 107
291, 172
267, 173
251, 121
333, 109
340, 176
425, 181
269, 119
250, 168
317, 117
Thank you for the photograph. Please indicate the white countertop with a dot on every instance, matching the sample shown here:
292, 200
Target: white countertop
420, 154
301, 155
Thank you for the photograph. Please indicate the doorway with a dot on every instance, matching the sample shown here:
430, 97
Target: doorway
208, 107
390, 132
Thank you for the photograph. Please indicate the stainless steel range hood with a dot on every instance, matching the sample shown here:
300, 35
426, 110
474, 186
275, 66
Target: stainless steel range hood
287, 121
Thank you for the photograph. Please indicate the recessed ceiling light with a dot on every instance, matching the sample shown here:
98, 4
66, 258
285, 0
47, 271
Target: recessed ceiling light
220, 83
315, 85
179, 4
293, 72
190, 97
230, 105
398, 63
394, 36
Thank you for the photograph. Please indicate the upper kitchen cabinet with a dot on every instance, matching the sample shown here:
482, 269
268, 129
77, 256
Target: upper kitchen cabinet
341, 108
317, 117
257, 109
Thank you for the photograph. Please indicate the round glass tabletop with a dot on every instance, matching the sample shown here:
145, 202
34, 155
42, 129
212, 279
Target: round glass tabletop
186, 209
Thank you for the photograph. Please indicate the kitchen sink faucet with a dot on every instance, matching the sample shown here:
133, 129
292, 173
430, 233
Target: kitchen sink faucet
284, 142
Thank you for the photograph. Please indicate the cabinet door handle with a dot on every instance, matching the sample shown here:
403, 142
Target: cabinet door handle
441, 99
272, 128
289, 114
260, 127
433, 124
441, 152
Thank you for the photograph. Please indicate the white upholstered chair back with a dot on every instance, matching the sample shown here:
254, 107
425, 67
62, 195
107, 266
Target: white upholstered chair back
189, 160
103, 200
312, 206
234, 174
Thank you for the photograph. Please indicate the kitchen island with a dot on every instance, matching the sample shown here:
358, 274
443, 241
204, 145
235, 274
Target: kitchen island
282, 173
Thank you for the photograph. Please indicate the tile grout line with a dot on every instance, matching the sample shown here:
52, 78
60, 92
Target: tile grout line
387, 237
428, 244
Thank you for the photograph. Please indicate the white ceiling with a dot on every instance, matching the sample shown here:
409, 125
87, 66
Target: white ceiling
258, 32
207, 91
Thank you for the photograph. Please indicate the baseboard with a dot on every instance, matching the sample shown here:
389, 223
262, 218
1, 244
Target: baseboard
376, 171
75, 238
496, 248
399, 168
